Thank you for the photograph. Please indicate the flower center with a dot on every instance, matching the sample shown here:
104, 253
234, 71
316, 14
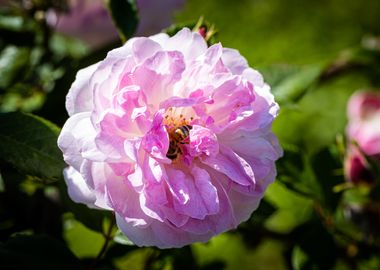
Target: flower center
178, 128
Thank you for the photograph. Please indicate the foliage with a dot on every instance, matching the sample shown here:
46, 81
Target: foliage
124, 14
314, 55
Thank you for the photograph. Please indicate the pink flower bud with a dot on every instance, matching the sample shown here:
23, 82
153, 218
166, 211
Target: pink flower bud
356, 168
364, 129
202, 31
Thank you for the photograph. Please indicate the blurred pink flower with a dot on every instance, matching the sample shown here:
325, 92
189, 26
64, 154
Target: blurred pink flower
173, 136
87, 20
356, 167
156, 15
90, 21
364, 129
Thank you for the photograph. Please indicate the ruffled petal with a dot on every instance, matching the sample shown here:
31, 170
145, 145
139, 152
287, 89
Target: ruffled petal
232, 165
158, 234
95, 175
125, 202
194, 195
260, 118
230, 98
137, 231
114, 130
234, 61
143, 48
223, 220
77, 140
202, 142
157, 76
77, 187
191, 44
79, 97
156, 141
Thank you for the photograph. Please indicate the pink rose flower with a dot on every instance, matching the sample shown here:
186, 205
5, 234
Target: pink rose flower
364, 129
173, 136
90, 21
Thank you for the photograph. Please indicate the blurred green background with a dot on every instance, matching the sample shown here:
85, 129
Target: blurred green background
314, 54
292, 32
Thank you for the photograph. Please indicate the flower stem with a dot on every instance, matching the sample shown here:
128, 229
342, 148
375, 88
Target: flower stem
107, 238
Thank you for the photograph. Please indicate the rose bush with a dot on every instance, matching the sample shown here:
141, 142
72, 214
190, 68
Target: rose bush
173, 136
364, 129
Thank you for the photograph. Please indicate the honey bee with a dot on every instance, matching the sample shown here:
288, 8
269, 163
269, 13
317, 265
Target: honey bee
181, 133
179, 136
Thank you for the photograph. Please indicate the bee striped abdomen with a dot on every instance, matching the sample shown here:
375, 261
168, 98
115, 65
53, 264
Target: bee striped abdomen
178, 137
182, 133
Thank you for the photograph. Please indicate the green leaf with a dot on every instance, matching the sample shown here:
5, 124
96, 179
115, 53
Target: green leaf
29, 143
91, 218
230, 250
66, 46
120, 238
293, 209
299, 258
275, 74
296, 85
140, 258
294, 172
314, 122
289, 82
21, 97
90, 241
12, 60
12, 23
125, 16
37, 252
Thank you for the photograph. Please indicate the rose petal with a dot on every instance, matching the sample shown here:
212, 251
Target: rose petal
234, 61
79, 98
77, 187
194, 195
77, 138
232, 165
191, 44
